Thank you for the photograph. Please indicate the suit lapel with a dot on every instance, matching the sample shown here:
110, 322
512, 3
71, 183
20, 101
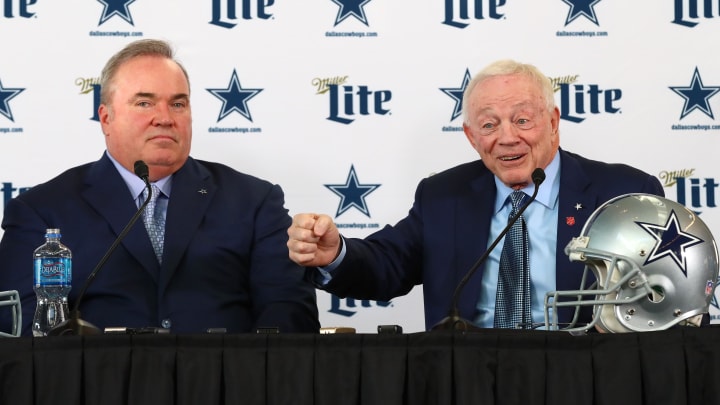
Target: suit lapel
108, 194
474, 214
577, 202
192, 192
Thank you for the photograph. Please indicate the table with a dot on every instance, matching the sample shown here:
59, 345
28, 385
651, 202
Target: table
678, 367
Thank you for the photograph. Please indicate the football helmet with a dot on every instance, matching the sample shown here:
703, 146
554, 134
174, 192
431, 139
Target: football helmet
650, 263
11, 300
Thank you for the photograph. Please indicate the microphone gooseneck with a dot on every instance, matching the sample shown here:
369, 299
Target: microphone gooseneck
74, 325
453, 321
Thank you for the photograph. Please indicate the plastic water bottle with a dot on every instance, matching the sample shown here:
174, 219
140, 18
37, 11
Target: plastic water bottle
53, 278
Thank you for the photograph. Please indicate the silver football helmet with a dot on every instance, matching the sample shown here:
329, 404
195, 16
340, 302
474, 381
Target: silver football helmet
10, 301
655, 265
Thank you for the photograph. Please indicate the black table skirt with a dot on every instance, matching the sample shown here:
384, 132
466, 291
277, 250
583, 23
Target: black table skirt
677, 367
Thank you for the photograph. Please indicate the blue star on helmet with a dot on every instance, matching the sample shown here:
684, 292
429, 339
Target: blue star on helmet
7, 94
351, 8
352, 193
457, 94
234, 98
696, 95
116, 8
671, 242
583, 8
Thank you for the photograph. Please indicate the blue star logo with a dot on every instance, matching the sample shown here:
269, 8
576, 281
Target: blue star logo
583, 8
7, 94
671, 242
351, 8
352, 193
696, 96
234, 98
457, 95
116, 8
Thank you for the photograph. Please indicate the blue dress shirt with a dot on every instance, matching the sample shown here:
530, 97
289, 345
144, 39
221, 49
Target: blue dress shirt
136, 185
541, 218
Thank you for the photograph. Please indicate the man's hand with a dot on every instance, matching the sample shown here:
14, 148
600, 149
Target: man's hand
313, 240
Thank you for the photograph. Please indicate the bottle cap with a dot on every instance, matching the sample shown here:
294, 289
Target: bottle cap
52, 232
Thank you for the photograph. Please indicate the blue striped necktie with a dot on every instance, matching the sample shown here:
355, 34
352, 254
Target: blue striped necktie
512, 300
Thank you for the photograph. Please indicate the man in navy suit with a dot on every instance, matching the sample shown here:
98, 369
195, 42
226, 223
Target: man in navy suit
224, 261
511, 120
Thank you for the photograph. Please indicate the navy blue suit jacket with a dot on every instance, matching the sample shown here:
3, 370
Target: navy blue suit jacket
447, 228
225, 262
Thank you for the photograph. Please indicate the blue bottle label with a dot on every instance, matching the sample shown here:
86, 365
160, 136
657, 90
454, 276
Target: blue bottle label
53, 271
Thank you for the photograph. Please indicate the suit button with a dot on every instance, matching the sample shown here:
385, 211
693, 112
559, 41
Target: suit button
166, 323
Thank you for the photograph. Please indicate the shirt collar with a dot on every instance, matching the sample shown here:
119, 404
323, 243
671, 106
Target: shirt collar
547, 193
135, 184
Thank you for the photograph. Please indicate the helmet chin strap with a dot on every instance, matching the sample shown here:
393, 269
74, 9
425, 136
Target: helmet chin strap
608, 322
693, 321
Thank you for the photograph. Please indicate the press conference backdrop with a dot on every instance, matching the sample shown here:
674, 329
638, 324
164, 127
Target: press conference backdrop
347, 104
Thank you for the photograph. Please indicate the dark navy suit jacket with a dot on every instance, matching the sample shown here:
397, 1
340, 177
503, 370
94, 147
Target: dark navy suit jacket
447, 228
225, 262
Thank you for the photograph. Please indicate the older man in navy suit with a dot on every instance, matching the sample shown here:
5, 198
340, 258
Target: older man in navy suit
223, 263
511, 120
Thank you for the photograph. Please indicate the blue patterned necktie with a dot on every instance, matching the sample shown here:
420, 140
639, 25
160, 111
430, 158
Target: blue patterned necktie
154, 219
512, 301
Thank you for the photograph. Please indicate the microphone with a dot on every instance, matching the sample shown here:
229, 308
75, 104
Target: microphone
74, 325
453, 321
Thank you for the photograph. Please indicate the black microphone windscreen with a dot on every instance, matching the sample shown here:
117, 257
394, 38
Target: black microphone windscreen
141, 169
538, 176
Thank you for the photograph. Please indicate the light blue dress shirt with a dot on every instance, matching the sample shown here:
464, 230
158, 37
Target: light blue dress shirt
541, 218
136, 185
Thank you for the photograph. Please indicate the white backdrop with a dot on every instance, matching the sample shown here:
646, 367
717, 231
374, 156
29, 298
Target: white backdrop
637, 83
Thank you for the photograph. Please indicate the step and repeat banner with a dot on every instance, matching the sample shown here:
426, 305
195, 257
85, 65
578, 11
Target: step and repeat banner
348, 104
